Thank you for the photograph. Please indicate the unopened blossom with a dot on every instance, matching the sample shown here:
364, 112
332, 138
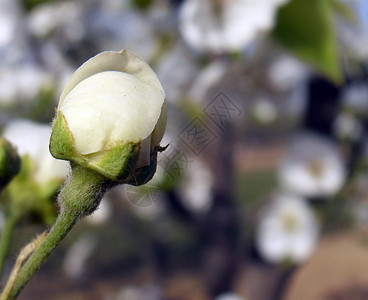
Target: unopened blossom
224, 26
287, 230
111, 117
312, 167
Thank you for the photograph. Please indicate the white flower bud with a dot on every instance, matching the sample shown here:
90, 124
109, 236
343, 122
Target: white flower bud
111, 115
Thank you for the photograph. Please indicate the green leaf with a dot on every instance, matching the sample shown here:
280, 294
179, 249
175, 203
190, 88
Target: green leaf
307, 28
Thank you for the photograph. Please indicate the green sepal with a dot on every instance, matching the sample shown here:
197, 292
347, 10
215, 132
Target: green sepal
116, 163
61, 140
9, 162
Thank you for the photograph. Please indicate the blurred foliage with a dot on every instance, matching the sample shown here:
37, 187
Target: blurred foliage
9, 162
24, 196
42, 109
142, 4
307, 28
254, 186
336, 214
29, 4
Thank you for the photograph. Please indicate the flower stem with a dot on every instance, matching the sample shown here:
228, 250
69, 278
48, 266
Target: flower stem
6, 235
22, 257
80, 196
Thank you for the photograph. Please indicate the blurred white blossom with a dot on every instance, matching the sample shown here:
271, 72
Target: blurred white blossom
13, 40
56, 63
264, 111
205, 80
312, 167
222, 26
162, 17
9, 12
22, 82
102, 213
355, 97
21, 78
32, 139
74, 264
287, 231
62, 16
347, 126
229, 296
196, 186
116, 27
176, 71
286, 72
131, 292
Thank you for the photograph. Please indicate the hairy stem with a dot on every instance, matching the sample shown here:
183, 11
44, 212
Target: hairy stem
22, 257
80, 196
6, 235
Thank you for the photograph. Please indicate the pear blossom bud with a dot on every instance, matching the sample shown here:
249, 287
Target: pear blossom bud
9, 162
111, 117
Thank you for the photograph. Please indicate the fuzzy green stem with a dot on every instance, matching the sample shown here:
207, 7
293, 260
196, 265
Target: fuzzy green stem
80, 196
6, 235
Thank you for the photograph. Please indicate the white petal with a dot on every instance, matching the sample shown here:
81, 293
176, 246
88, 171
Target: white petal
111, 107
123, 61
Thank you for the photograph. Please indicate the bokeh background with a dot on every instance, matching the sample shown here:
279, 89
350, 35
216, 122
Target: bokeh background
262, 192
